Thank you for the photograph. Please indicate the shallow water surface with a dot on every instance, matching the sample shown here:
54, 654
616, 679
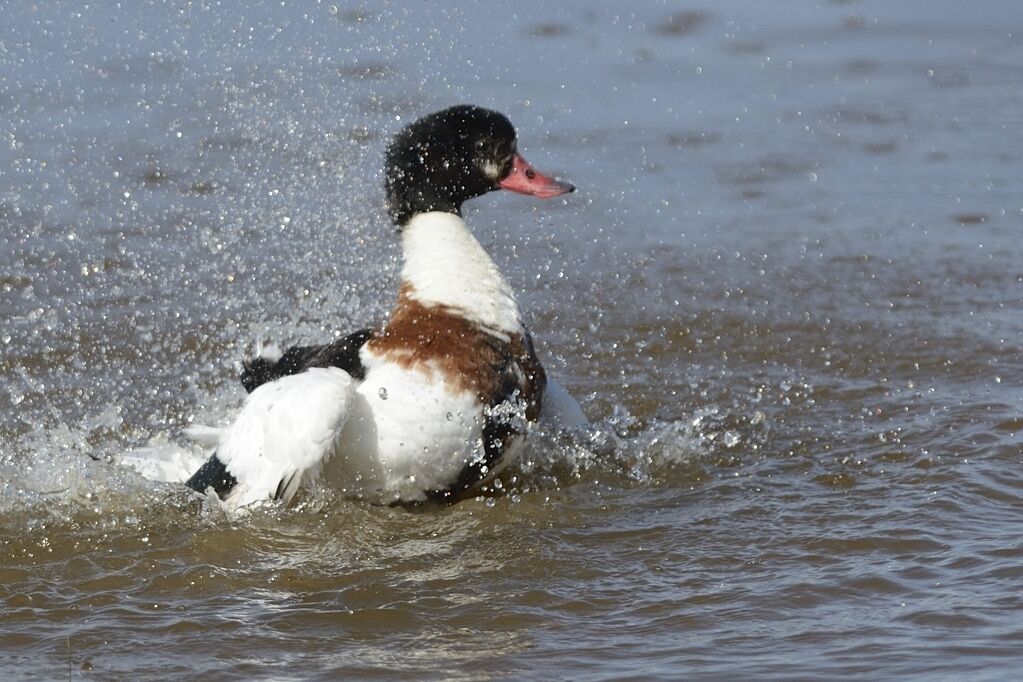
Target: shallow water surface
788, 294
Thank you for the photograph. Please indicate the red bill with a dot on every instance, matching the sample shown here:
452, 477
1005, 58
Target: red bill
525, 179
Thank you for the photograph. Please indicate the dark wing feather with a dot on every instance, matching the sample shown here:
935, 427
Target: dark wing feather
343, 353
212, 474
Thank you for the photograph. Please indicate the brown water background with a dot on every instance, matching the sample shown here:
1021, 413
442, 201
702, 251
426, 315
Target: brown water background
788, 293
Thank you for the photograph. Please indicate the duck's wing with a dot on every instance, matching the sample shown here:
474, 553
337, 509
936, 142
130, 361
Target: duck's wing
284, 433
270, 364
560, 409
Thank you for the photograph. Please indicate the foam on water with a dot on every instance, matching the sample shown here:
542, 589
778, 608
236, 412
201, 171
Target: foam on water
90, 466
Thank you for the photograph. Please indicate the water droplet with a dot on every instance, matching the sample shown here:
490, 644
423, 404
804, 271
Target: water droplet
382, 393
449, 416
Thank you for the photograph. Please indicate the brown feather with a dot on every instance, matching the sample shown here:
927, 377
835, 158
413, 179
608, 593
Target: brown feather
435, 338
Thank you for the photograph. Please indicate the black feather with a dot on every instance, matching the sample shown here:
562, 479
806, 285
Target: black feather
343, 353
213, 473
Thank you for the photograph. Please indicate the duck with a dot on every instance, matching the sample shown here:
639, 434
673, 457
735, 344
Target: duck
433, 404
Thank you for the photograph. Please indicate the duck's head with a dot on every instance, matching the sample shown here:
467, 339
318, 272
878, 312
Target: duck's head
450, 156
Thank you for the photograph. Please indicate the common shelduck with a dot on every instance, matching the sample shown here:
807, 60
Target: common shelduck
433, 404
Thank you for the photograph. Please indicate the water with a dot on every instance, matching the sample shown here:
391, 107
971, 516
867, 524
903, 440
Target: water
788, 294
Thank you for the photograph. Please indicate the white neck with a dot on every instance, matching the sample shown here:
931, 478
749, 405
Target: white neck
445, 265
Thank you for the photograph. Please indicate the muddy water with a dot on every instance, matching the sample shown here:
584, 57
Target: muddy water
788, 294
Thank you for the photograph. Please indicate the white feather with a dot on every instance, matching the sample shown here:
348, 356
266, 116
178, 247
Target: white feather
285, 432
409, 432
446, 265
560, 409
161, 460
268, 351
204, 435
